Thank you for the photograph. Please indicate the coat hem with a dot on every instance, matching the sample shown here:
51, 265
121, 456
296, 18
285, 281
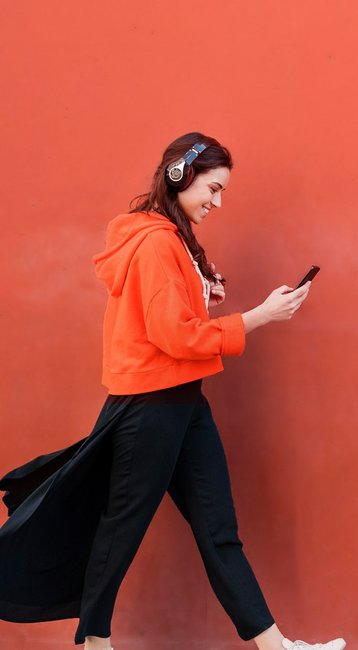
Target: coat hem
34, 614
164, 377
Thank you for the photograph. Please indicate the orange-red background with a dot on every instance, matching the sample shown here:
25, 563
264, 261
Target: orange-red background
92, 92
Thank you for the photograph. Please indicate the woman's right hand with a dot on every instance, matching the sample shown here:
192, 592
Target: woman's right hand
283, 302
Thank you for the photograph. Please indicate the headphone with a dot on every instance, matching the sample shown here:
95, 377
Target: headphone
179, 174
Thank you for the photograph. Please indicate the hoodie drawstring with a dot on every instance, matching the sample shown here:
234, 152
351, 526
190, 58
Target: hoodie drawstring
205, 282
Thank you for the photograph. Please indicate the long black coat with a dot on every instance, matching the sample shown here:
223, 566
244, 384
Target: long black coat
54, 504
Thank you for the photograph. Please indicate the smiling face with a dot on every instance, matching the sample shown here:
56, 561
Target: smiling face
204, 193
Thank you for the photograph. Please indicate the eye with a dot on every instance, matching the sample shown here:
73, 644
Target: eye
213, 190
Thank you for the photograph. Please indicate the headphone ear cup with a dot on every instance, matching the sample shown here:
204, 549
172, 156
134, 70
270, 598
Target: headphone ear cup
189, 174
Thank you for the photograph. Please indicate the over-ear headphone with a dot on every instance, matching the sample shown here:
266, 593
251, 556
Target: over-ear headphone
179, 174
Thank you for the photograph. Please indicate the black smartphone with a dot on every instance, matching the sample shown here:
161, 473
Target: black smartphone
309, 276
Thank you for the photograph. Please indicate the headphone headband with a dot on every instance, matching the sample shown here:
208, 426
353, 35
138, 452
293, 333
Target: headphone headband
193, 153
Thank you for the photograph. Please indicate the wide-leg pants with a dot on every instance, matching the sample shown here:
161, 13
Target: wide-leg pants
167, 440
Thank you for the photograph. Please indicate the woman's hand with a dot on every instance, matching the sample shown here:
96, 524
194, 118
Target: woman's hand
281, 304
217, 291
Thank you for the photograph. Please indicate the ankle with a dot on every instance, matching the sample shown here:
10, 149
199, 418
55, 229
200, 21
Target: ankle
97, 643
270, 639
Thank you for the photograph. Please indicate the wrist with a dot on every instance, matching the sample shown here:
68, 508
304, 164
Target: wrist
255, 318
263, 314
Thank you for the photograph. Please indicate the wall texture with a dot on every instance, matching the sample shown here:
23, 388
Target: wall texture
92, 93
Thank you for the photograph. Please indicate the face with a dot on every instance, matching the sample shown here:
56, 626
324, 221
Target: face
204, 193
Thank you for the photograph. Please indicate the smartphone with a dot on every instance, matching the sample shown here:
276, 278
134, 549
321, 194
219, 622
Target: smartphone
309, 276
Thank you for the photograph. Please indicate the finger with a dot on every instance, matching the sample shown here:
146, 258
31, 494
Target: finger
302, 290
295, 305
298, 302
295, 308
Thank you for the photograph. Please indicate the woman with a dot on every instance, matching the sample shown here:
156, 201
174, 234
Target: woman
155, 432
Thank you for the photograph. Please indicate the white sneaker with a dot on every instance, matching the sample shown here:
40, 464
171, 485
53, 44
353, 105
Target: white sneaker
336, 644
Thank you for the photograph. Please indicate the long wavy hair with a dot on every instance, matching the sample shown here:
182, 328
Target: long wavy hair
163, 198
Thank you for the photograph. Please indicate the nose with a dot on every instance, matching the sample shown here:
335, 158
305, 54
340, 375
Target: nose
216, 200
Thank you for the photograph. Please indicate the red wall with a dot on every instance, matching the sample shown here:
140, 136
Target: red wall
92, 93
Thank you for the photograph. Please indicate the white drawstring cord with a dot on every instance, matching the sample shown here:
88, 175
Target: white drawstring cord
205, 282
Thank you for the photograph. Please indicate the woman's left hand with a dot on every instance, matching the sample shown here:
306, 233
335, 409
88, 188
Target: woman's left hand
217, 291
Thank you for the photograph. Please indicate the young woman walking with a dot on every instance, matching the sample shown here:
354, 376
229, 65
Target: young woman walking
155, 432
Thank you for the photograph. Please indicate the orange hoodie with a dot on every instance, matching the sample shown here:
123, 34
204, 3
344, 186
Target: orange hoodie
157, 331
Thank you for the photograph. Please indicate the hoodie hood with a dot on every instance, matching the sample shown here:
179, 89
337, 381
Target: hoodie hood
124, 234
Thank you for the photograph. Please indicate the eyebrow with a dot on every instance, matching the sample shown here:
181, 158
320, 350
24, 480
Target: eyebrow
217, 183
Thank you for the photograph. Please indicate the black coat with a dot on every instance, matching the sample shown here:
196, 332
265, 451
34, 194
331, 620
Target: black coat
54, 504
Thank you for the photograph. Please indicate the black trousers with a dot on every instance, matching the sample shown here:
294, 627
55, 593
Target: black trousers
167, 440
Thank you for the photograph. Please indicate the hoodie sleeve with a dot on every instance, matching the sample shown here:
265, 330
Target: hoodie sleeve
174, 328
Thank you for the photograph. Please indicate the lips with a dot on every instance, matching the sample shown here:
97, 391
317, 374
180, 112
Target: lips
206, 210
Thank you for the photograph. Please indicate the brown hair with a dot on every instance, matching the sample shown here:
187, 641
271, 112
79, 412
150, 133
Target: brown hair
162, 198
